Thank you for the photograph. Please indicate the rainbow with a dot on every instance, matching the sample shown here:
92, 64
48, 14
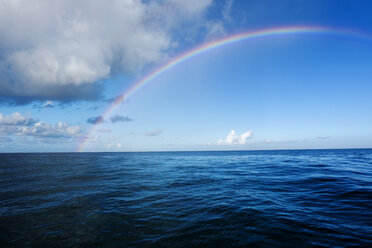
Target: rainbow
210, 46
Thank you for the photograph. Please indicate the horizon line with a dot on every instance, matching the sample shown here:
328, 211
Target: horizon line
233, 150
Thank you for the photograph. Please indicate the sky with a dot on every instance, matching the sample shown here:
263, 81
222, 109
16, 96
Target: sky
63, 64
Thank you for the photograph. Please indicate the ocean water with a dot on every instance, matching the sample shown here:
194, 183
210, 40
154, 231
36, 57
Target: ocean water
302, 198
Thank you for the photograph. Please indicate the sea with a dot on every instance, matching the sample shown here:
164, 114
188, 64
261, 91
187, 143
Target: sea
297, 198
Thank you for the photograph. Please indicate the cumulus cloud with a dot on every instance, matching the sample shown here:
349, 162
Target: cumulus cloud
235, 139
21, 125
120, 118
59, 50
154, 132
16, 119
95, 120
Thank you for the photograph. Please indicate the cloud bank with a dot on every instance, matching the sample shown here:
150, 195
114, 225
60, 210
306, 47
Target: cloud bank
59, 50
21, 125
235, 139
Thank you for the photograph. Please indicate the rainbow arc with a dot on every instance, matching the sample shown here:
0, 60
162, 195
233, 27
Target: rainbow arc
199, 50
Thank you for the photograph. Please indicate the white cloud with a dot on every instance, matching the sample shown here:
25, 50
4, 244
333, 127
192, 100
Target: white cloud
58, 50
20, 125
42, 129
48, 104
235, 139
16, 119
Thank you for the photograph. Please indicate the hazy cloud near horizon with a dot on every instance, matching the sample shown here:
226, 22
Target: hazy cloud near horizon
23, 125
59, 50
154, 133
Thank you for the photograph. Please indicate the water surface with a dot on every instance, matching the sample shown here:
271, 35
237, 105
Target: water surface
304, 198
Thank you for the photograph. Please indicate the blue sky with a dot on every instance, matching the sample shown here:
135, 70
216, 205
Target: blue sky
62, 63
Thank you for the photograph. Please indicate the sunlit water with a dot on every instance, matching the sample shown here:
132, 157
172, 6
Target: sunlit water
318, 198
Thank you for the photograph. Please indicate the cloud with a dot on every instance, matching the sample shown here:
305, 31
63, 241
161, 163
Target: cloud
16, 119
226, 11
48, 104
154, 132
216, 28
116, 99
61, 50
235, 139
95, 120
116, 118
20, 125
120, 118
114, 146
323, 137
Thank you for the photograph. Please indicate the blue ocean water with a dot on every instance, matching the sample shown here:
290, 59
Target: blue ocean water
302, 198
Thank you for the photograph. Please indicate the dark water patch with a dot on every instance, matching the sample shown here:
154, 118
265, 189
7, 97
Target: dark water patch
361, 194
319, 165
